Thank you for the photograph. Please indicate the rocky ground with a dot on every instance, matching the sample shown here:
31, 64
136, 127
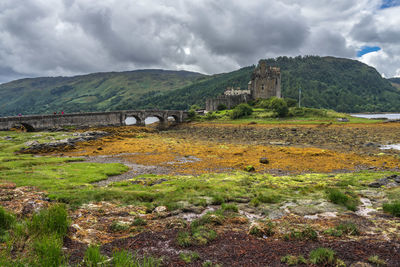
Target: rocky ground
248, 236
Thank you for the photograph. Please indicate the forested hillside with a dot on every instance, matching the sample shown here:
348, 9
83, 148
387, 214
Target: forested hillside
326, 82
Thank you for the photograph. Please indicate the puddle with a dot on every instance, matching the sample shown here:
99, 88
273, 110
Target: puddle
393, 146
185, 159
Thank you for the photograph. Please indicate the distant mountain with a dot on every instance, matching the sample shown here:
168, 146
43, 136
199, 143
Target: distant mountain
326, 82
93, 92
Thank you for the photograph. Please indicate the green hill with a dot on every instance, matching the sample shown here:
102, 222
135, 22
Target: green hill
93, 92
335, 83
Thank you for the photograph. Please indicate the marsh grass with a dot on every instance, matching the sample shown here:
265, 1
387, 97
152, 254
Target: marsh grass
48, 251
347, 199
53, 220
392, 208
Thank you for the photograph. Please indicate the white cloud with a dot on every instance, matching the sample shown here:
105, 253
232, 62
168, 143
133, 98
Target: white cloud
66, 37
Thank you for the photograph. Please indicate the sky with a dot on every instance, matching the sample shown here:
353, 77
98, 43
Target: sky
71, 37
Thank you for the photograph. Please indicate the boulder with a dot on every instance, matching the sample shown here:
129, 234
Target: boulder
264, 160
160, 209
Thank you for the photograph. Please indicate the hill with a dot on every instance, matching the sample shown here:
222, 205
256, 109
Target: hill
93, 92
395, 82
334, 83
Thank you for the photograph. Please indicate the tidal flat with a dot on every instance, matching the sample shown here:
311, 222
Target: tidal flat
205, 194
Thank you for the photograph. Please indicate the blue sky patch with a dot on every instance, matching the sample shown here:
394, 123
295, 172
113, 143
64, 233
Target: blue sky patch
389, 3
367, 49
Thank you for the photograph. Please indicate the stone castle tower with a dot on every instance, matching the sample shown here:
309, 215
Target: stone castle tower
265, 81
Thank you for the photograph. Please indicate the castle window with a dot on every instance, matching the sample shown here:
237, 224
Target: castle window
262, 87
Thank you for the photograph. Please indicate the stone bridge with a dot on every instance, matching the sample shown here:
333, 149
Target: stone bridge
112, 118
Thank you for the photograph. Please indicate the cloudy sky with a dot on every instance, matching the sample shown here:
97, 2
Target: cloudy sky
69, 37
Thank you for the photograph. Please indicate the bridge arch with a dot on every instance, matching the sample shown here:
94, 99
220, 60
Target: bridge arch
26, 127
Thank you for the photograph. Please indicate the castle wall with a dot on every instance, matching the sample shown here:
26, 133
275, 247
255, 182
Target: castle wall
229, 101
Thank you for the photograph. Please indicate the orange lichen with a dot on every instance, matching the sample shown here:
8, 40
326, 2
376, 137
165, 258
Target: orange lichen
193, 156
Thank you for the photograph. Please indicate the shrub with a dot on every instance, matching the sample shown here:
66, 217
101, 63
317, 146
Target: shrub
210, 116
322, 256
221, 107
392, 208
192, 113
48, 251
240, 111
53, 220
93, 257
279, 106
348, 199
290, 102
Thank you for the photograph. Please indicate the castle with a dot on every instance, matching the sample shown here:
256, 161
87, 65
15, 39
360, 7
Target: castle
265, 83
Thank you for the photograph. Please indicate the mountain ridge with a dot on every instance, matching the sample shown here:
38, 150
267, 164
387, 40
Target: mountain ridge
326, 82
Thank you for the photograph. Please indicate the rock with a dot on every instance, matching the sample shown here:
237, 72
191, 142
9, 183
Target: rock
379, 183
264, 160
31, 143
278, 143
371, 144
160, 209
343, 120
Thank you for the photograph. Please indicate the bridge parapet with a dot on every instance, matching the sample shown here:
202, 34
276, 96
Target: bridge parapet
112, 118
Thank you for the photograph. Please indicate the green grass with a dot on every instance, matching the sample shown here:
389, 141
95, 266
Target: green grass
322, 256
53, 220
48, 251
93, 256
347, 199
392, 208
292, 260
307, 116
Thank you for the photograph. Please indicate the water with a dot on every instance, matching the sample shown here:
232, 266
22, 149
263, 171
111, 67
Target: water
149, 120
389, 116
394, 146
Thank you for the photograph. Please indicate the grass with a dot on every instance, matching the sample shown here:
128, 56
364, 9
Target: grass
392, 208
306, 116
189, 257
48, 251
307, 233
322, 256
93, 256
376, 261
50, 221
347, 199
36, 241
293, 260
